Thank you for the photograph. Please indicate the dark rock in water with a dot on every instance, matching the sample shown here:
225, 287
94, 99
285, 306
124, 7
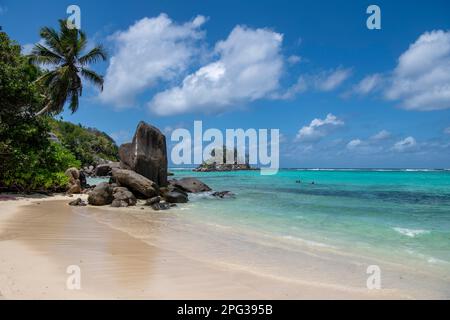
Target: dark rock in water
153, 200
223, 194
191, 185
74, 180
123, 198
103, 170
164, 206
101, 195
161, 206
136, 183
170, 173
147, 154
176, 197
77, 202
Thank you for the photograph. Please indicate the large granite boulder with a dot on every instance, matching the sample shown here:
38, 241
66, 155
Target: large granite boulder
147, 154
74, 181
101, 195
191, 185
136, 183
103, 170
123, 198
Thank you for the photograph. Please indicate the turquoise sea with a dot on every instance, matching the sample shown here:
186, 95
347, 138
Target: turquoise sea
400, 215
323, 226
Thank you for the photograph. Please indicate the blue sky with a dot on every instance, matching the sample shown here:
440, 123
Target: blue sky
342, 95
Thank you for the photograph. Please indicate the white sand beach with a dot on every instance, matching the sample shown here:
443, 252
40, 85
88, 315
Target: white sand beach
124, 257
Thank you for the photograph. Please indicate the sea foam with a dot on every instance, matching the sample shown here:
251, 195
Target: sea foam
411, 232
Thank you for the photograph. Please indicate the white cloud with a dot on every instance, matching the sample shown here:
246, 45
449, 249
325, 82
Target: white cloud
407, 144
421, 80
248, 68
152, 50
294, 59
368, 84
300, 86
319, 128
324, 81
330, 80
382, 135
354, 144
372, 145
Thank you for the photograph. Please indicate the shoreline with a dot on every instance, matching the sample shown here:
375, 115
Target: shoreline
140, 254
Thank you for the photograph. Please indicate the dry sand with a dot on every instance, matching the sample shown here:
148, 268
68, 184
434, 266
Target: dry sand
41, 238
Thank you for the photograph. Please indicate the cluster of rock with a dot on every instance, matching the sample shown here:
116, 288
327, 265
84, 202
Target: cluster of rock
141, 174
219, 161
101, 170
206, 167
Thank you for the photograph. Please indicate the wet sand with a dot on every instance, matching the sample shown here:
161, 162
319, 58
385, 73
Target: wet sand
142, 254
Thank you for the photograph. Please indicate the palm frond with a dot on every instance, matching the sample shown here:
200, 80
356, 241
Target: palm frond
82, 42
96, 54
74, 103
43, 55
52, 39
92, 76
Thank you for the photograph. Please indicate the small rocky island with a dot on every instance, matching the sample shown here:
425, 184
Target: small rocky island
217, 162
141, 174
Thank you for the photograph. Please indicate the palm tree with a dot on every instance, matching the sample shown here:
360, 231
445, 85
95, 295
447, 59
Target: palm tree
62, 52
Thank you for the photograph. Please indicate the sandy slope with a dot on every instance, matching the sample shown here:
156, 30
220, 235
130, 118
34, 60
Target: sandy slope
41, 238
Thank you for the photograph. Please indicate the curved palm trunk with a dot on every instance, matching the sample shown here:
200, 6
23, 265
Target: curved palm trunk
43, 110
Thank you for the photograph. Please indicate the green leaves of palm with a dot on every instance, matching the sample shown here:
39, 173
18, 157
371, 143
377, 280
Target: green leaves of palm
62, 52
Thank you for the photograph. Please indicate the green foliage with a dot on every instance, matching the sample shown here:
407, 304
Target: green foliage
28, 160
87, 144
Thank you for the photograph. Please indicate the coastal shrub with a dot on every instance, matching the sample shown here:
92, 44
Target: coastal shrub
29, 161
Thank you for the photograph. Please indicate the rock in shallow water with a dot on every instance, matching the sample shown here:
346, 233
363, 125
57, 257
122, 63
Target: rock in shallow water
153, 200
77, 202
191, 185
123, 198
161, 206
223, 194
176, 197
